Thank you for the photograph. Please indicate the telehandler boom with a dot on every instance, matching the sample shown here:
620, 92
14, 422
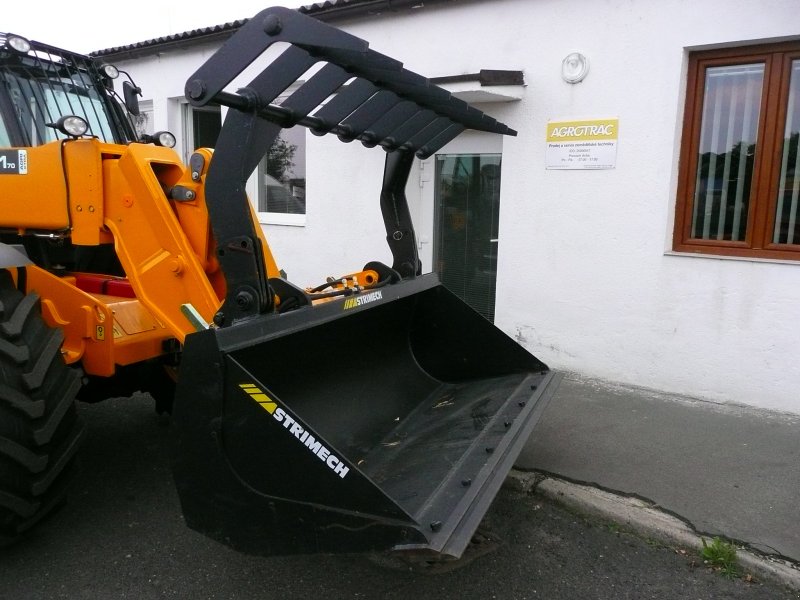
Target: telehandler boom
377, 414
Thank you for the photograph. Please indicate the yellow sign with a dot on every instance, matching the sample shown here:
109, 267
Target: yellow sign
587, 144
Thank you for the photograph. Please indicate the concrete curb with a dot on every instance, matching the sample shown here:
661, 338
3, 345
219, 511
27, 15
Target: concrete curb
645, 519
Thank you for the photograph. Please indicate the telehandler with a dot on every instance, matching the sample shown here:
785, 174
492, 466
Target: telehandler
374, 412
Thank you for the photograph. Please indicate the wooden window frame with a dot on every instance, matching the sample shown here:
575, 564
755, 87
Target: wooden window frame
777, 59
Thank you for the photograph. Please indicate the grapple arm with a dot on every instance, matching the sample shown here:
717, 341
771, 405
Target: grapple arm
356, 94
385, 419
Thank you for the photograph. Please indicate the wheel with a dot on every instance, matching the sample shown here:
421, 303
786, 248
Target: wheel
39, 428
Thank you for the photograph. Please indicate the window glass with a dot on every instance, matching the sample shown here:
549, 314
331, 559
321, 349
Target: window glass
787, 217
5, 141
143, 122
42, 99
206, 126
467, 196
728, 137
282, 175
201, 128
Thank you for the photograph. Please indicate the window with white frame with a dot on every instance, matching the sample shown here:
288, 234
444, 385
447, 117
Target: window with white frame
280, 197
201, 127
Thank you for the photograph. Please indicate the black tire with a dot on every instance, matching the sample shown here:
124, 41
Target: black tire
39, 428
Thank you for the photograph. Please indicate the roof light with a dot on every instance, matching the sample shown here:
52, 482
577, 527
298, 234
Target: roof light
18, 44
110, 71
71, 125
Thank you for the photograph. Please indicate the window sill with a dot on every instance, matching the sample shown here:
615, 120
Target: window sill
755, 259
282, 219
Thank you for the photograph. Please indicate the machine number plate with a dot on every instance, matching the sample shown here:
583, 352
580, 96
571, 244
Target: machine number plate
13, 162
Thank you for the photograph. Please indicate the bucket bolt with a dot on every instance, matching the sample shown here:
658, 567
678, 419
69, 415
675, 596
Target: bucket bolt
244, 300
436, 525
196, 89
272, 25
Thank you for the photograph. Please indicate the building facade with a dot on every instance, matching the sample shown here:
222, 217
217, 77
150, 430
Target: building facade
643, 227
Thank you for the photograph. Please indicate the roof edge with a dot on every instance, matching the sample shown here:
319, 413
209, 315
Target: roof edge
334, 10
170, 42
328, 11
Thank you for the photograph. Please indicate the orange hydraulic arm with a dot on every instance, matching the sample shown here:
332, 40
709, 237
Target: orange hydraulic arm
164, 245
145, 202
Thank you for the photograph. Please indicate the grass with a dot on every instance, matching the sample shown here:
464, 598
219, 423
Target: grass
721, 556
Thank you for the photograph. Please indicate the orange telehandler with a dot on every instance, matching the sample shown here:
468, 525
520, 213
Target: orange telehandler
374, 412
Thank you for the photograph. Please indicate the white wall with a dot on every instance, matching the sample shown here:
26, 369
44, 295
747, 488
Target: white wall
586, 280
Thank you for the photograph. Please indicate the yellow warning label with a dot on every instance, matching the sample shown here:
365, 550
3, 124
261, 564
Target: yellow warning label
267, 403
101, 332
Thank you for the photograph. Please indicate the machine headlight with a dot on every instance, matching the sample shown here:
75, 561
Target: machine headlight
110, 71
71, 125
164, 138
18, 44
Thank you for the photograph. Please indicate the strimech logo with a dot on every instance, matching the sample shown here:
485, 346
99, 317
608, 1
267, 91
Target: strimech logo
361, 300
333, 462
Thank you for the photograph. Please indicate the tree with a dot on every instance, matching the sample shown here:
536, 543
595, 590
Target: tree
279, 159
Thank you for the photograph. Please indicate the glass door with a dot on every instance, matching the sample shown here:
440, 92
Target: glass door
467, 209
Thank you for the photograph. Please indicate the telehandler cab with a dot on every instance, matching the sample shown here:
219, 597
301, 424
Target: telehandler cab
377, 412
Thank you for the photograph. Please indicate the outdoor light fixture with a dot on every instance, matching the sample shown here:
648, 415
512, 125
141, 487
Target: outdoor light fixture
574, 67
18, 44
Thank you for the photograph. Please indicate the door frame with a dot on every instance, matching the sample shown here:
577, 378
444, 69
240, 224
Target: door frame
424, 211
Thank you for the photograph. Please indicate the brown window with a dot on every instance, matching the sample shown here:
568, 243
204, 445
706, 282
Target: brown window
739, 186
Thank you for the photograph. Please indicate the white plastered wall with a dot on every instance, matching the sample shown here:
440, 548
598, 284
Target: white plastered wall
586, 280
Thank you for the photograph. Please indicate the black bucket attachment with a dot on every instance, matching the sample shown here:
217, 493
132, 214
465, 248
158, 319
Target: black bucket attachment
384, 420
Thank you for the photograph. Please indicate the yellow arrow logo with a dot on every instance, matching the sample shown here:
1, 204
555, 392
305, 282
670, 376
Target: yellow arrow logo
267, 403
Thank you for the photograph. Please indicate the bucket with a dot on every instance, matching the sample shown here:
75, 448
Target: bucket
385, 420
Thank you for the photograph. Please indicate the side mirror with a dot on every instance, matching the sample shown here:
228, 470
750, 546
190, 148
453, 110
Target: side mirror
131, 93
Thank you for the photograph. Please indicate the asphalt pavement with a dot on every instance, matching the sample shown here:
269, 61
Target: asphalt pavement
121, 535
728, 470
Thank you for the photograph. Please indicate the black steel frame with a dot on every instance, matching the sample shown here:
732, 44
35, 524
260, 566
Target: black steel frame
46, 61
370, 98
